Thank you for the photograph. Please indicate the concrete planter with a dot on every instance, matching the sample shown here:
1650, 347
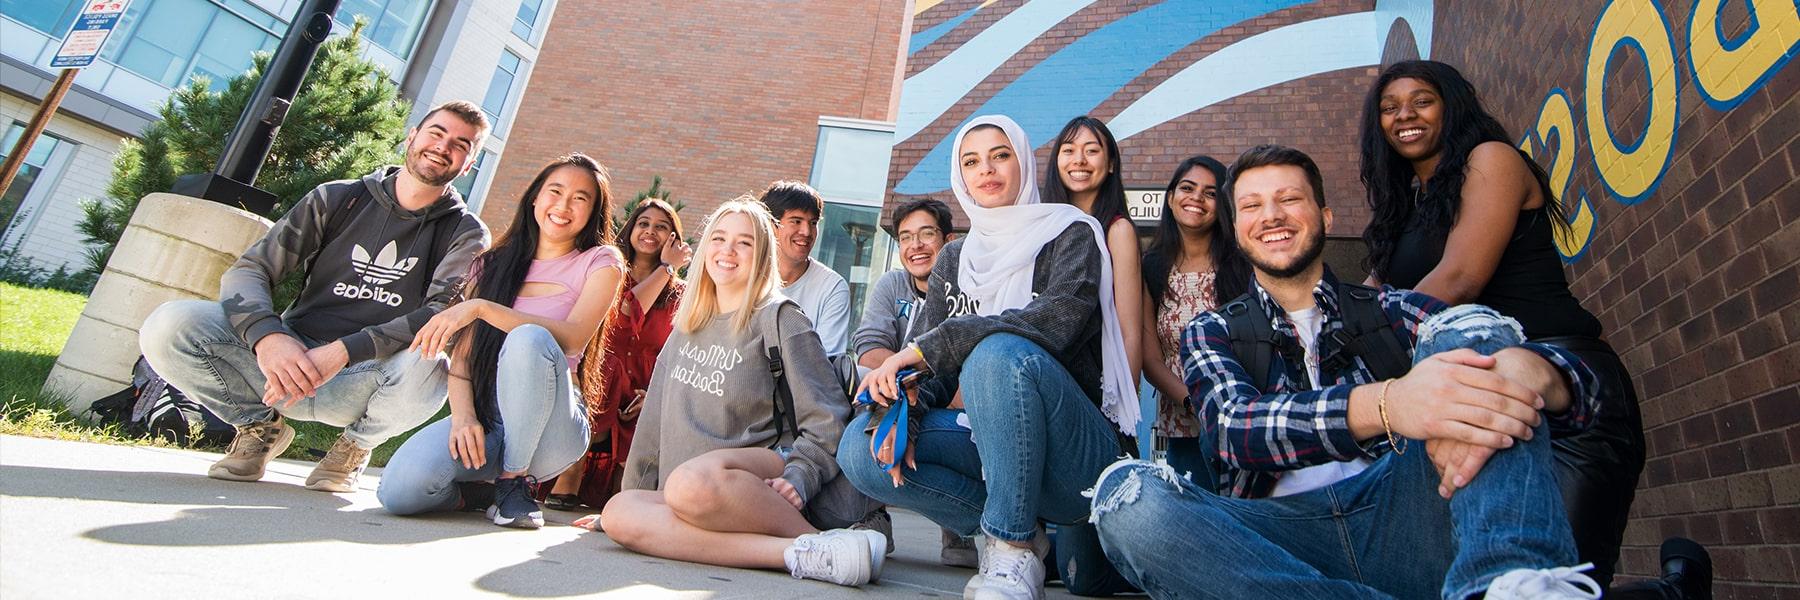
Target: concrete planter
175, 248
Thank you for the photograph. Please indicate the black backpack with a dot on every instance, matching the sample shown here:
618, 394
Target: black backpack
1366, 334
153, 408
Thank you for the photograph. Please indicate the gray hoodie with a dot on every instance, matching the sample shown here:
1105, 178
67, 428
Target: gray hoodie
374, 278
712, 391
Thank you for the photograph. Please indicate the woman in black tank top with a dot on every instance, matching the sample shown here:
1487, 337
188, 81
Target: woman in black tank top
1462, 215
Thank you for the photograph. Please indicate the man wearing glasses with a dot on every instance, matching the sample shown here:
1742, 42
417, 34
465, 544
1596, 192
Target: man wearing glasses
922, 227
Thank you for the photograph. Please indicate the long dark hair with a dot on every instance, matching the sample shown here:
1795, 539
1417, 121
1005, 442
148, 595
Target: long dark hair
503, 268
1165, 246
1110, 204
629, 231
1389, 176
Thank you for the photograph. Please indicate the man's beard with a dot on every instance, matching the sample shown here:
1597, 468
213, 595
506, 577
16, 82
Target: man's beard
1307, 257
417, 157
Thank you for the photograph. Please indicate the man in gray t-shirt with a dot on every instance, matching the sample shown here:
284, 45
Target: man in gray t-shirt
922, 227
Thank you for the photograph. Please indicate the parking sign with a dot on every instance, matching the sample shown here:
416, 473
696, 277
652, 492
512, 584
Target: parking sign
96, 23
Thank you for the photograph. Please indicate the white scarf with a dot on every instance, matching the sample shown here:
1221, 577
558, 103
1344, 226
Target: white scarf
1000, 252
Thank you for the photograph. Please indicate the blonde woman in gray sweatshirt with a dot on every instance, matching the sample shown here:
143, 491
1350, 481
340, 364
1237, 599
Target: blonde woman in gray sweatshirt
711, 477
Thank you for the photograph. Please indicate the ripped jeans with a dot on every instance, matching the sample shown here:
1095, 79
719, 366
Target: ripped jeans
1382, 533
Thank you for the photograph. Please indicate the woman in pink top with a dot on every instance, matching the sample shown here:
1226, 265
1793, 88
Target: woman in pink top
535, 299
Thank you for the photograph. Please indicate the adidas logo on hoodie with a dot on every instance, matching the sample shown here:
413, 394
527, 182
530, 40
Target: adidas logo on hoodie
384, 269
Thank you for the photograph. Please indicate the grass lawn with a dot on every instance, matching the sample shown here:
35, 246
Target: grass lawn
34, 323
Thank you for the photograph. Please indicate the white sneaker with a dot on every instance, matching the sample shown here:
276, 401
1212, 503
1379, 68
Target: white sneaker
838, 556
1009, 572
1550, 584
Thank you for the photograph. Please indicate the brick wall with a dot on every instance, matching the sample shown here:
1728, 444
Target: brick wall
719, 98
1696, 282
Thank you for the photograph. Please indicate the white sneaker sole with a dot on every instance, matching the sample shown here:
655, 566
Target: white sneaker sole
532, 520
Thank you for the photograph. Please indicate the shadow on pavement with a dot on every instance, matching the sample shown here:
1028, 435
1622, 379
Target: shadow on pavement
237, 526
151, 487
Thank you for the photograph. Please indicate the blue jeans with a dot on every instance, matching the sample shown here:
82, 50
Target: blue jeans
1382, 533
1010, 477
190, 343
544, 429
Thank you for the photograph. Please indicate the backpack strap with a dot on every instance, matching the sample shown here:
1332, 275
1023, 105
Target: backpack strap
1367, 335
786, 425
1252, 338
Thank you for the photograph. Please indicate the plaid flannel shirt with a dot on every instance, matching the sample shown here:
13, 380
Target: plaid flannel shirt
1260, 434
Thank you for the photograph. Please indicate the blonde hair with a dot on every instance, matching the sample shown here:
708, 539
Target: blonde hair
700, 303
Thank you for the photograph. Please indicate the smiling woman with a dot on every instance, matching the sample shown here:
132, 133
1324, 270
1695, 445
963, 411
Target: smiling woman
536, 299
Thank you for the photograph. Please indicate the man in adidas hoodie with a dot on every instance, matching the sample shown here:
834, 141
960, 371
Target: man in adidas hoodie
381, 256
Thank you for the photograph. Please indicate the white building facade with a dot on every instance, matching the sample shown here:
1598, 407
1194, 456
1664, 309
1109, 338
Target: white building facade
435, 51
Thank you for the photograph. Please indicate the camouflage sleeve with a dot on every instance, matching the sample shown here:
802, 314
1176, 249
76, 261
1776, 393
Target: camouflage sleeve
245, 290
383, 339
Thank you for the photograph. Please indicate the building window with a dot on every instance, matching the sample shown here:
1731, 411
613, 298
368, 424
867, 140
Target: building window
850, 168
53, 17
465, 185
500, 88
393, 24
169, 41
36, 161
527, 18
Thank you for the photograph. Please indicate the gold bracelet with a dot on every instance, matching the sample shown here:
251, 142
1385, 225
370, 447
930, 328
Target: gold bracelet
1381, 405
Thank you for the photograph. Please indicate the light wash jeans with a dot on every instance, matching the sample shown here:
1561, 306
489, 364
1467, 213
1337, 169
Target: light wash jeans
543, 430
1019, 399
1382, 533
191, 345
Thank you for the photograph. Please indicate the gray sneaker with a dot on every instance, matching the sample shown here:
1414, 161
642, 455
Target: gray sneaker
880, 521
255, 445
338, 471
958, 551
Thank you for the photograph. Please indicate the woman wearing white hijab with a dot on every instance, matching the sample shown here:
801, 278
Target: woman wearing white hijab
1023, 341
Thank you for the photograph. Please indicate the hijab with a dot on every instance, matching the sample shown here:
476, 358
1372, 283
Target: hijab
1000, 252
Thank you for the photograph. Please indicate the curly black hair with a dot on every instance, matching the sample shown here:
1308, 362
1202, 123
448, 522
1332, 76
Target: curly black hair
1388, 176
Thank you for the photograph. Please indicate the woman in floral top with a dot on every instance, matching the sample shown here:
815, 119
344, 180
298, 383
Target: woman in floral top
1184, 280
653, 249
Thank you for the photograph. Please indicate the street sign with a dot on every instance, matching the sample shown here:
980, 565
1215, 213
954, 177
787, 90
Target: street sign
96, 23
1144, 206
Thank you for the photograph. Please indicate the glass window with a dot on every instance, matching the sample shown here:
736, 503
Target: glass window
848, 236
527, 18
226, 52
169, 41
393, 24
852, 163
465, 185
164, 38
500, 88
35, 161
49, 16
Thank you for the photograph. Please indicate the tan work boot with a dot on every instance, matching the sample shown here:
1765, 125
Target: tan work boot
255, 445
337, 472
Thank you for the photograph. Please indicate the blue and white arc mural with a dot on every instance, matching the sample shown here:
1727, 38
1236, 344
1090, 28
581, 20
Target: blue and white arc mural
1104, 61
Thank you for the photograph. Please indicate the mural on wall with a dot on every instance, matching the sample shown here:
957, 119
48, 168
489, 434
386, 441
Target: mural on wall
1726, 71
1118, 53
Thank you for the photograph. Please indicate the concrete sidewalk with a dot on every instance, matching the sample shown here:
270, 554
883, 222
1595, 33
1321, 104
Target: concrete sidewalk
95, 521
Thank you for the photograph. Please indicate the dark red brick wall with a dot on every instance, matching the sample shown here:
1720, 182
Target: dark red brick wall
1696, 283
719, 98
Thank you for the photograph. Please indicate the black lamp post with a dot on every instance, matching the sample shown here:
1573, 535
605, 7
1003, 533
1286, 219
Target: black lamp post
233, 181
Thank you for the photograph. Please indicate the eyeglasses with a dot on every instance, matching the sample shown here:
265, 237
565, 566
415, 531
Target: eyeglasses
925, 234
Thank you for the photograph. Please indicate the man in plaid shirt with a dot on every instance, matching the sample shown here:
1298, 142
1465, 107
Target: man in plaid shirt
1314, 493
